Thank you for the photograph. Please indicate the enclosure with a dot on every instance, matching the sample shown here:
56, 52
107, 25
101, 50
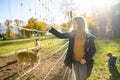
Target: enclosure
24, 21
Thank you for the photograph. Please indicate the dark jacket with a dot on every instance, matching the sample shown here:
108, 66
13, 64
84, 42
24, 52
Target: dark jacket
90, 48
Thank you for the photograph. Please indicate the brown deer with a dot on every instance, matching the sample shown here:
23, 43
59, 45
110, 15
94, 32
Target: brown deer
27, 57
37, 43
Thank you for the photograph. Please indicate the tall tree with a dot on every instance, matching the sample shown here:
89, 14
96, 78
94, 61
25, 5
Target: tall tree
9, 32
34, 23
17, 22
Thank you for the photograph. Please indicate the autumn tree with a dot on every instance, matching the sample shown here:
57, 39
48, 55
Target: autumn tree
18, 22
9, 32
34, 23
65, 27
92, 24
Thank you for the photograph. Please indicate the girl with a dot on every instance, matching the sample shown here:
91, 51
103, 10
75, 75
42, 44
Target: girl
81, 48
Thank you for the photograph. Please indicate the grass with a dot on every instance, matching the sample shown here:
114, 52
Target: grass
48, 43
100, 70
51, 43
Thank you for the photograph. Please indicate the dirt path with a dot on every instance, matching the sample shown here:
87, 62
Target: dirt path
8, 69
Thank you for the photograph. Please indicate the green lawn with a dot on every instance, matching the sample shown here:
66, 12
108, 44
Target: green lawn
51, 43
48, 43
100, 70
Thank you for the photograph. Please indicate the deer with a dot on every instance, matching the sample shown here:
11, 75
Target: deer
37, 43
27, 57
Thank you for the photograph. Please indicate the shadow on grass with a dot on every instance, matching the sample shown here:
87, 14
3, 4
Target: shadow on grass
115, 74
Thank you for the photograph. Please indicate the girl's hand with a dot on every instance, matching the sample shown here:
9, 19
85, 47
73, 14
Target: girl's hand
49, 28
83, 61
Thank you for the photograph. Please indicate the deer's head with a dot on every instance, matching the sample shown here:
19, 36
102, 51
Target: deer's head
36, 50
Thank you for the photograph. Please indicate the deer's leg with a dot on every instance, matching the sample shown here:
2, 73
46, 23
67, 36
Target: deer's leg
23, 67
23, 63
18, 66
32, 64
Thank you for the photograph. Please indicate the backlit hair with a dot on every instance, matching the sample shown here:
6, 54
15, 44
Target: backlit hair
82, 28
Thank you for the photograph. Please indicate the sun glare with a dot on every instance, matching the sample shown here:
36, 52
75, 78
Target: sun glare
102, 3
85, 6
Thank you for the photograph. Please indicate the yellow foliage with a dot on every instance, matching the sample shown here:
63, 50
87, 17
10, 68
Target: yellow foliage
41, 25
9, 34
56, 26
35, 24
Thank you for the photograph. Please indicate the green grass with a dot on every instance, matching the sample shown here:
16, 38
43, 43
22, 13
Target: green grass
104, 46
100, 70
51, 43
48, 43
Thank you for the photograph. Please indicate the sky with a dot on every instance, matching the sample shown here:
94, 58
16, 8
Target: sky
12, 9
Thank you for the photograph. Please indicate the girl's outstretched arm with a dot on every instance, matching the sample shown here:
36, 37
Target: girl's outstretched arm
59, 34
